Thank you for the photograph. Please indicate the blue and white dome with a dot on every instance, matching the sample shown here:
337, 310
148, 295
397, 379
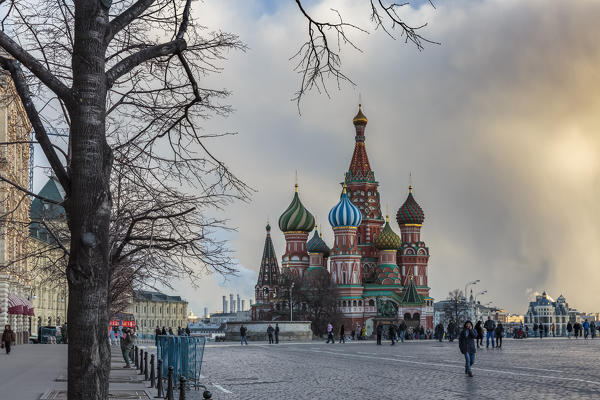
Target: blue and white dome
345, 213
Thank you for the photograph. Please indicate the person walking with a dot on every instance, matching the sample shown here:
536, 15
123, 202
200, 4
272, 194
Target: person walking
157, 333
586, 329
490, 327
126, 344
576, 329
342, 334
243, 331
450, 331
439, 332
392, 333
171, 332
593, 329
363, 333
466, 344
164, 331
569, 329
8, 338
330, 333
535, 328
546, 327
479, 330
499, 334
541, 330
270, 331
276, 333
379, 332
402, 330
553, 329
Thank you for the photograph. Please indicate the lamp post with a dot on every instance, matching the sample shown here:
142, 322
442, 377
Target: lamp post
469, 284
291, 303
475, 302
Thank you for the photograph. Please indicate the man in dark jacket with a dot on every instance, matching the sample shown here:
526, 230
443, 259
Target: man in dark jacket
569, 329
402, 330
276, 333
342, 334
450, 331
490, 327
270, 331
379, 332
8, 338
466, 344
243, 331
392, 333
499, 334
479, 330
439, 332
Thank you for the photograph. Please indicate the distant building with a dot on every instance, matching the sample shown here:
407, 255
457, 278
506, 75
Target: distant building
208, 330
223, 318
152, 309
545, 311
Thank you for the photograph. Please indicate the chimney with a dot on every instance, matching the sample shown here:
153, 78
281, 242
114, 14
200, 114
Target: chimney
224, 305
231, 304
243, 305
205, 312
239, 308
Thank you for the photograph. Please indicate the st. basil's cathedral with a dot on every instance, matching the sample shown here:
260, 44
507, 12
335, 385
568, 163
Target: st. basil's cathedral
378, 275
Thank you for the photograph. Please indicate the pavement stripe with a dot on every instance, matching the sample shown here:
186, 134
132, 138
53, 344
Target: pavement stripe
497, 371
222, 389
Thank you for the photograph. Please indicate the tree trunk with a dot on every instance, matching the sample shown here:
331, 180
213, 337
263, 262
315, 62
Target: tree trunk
88, 210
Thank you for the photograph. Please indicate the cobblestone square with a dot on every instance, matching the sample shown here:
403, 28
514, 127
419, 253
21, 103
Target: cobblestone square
522, 369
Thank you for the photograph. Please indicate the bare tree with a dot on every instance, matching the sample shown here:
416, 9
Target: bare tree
123, 80
458, 308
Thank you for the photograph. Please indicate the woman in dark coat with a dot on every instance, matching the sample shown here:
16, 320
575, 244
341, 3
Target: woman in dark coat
479, 330
466, 344
499, 334
8, 338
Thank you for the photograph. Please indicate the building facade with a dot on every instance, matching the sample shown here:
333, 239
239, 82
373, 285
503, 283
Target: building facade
15, 286
545, 311
152, 309
379, 276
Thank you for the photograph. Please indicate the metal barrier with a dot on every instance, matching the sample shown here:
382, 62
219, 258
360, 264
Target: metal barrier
184, 354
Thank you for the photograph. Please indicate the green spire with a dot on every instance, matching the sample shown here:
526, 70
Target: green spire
411, 295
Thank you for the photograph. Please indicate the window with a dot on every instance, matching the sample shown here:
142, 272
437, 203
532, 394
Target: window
371, 303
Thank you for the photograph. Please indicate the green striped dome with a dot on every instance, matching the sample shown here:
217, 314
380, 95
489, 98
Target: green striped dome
387, 239
296, 217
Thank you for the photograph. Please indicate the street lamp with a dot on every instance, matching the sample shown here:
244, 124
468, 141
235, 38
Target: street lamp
469, 284
291, 303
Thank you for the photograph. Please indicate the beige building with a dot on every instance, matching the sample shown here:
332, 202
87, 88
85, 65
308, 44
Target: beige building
15, 289
152, 309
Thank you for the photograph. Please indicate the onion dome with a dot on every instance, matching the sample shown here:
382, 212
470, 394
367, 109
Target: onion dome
410, 212
344, 213
387, 238
316, 244
296, 217
360, 118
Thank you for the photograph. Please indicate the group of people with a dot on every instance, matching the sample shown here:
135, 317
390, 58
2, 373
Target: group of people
493, 332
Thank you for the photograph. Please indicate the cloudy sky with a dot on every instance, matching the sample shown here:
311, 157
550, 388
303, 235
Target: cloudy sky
499, 126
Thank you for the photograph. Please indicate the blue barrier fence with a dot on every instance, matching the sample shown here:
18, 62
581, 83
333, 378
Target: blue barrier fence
184, 354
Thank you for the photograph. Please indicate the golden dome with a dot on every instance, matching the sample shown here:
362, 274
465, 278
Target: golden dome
360, 118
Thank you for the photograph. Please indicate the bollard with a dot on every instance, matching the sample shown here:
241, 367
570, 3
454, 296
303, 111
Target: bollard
207, 394
146, 377
159, 385
152, 371
181, 387
137, 362
170, 384
141, 362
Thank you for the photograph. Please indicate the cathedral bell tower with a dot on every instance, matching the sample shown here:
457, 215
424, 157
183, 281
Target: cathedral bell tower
363, 193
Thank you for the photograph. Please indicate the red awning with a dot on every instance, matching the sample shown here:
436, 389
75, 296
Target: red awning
17, 305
